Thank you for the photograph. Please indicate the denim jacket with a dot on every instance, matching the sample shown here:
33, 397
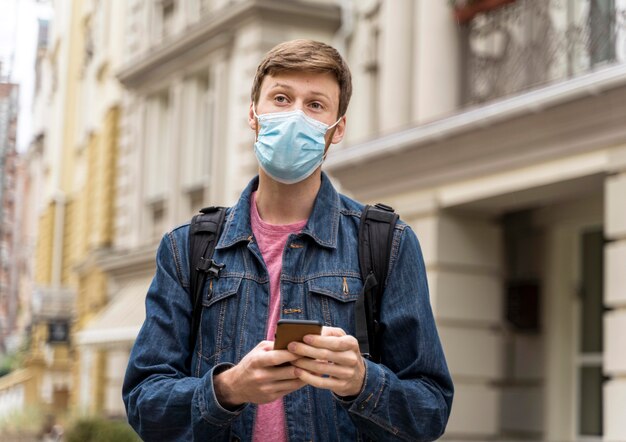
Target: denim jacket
407, 396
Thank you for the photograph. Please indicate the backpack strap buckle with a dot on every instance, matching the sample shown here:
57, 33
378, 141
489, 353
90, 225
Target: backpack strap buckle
210, 267
384, 207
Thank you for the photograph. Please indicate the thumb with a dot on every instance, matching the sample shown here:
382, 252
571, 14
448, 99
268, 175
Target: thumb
265, 345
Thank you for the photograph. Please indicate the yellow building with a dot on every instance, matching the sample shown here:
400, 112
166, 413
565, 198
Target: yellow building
76, 155
101, 28
44, 382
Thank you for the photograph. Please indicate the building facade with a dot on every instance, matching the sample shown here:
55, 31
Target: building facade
495, 128
187, 72
103, 26
44, 381
71, 168
501, 141
8, 182
78, 143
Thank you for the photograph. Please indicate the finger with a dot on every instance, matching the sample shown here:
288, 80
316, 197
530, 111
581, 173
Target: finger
264, 377
285, 386
327, 383
334, 343
265, 345
333, 331
273, 358
322, 368
346, 358
282, 373
271, 392
338, 350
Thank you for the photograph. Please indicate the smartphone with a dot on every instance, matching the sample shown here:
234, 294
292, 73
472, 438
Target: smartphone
293, 330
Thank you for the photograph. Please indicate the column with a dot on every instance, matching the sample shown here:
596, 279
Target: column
129, 181
116, 362
83, 391
615, 299
463, 261
436, 87
219, 79
395, 64
173, 200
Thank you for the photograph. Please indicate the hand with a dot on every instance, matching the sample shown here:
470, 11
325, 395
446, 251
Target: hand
257, 378
331, 361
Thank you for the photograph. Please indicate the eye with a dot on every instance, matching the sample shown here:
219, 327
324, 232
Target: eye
317, 105
281, 99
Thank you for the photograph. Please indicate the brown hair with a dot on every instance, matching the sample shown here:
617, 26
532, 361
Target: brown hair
306, 56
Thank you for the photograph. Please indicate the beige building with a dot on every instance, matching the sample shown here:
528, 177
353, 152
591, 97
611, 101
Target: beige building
188, 72
502, 142
500, 139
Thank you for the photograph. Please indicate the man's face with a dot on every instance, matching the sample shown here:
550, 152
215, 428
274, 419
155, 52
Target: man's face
316, 94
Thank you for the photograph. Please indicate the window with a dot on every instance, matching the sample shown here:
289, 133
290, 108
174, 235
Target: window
155, 160
192, 11
371, 66
157, 140
198, 137
206, 6
159, 218
196, 201
167, 16
590, 348
601, 31
162, 20
89, 44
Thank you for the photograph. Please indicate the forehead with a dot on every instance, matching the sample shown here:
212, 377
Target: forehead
303, 82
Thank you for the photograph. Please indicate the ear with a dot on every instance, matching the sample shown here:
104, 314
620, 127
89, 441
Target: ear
252, 121
335, 135
340, 131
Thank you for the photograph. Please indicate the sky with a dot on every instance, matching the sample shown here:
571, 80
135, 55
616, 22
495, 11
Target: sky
8, 9
18, 43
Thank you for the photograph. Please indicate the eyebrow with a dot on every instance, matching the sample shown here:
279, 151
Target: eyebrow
286, 86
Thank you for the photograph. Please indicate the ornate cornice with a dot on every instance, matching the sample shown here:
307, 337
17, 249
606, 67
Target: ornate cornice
216, 31
120, 263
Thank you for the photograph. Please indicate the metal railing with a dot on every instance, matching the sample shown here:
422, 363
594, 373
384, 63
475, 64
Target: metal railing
530, 43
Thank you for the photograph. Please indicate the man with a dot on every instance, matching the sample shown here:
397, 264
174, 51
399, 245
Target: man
289, 249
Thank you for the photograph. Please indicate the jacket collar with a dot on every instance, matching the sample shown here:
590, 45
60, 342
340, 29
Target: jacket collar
322, 226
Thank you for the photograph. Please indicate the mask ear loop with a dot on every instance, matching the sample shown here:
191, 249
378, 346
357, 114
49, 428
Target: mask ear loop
334, 124
332, 127
258, 123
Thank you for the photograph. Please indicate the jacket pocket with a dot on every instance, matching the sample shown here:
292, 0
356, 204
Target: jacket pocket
332, 298
216, 290
220, 305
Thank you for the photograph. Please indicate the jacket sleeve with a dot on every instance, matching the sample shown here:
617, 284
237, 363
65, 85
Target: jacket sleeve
408, 396
163, 401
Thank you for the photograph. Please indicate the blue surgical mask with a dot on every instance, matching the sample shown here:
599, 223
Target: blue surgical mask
290, 145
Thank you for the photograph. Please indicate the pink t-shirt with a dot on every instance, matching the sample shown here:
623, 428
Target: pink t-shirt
270, 419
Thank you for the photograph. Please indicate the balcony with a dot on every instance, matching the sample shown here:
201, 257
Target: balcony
528, 43
53, 303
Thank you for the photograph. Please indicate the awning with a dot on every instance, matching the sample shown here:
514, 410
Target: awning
121, 320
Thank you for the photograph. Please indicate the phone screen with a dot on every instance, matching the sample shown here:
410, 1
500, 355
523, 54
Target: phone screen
293, 330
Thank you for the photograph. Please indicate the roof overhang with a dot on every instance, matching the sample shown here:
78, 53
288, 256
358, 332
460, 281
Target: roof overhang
565, 119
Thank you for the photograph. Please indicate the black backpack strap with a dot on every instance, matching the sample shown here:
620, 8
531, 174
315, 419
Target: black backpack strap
375, 242
204, 232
